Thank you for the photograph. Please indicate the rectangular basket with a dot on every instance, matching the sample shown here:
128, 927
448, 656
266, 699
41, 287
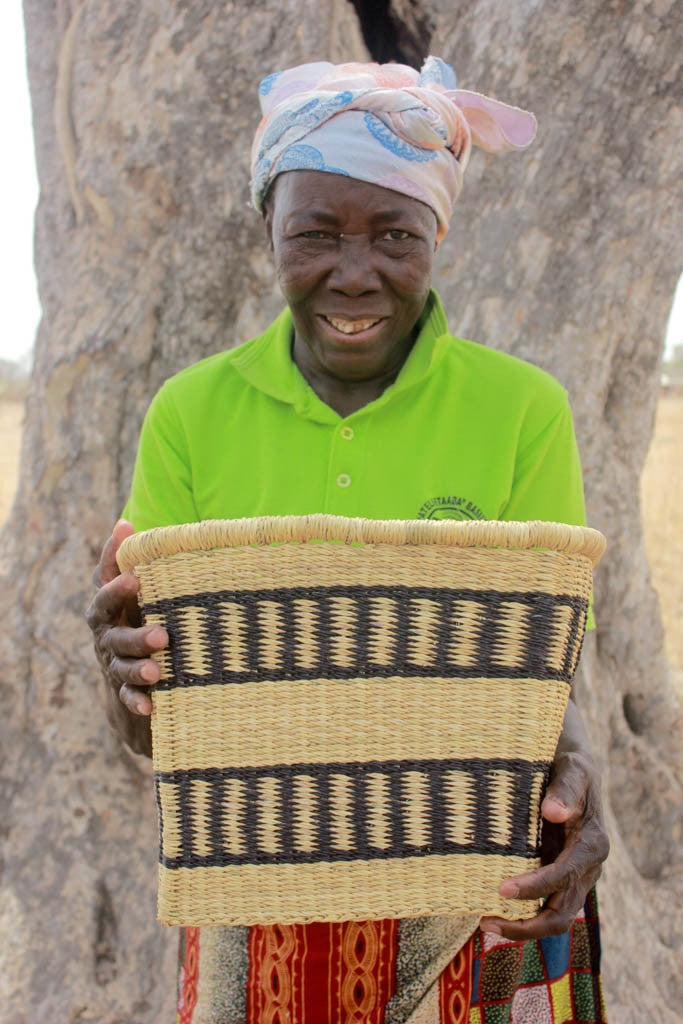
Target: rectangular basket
356, 719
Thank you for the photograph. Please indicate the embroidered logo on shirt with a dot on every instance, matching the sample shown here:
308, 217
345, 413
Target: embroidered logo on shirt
450, 507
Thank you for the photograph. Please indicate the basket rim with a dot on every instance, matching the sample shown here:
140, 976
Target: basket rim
164, 541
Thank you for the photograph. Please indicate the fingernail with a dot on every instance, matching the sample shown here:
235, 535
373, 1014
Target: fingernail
150, 672
156, 637
509, 890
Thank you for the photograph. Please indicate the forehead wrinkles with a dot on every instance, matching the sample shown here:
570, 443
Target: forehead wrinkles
331, 199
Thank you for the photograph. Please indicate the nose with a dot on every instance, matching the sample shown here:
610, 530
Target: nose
354, 271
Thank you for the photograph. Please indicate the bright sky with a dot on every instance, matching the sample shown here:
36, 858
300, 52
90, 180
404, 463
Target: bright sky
19, 195
18, 191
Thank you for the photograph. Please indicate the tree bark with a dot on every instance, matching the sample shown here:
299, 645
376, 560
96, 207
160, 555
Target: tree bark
148, 259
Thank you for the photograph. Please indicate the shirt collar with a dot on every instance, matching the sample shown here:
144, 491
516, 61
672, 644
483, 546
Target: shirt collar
267, 363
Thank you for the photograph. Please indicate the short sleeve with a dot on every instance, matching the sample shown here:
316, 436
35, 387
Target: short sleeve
161, 490
547, 483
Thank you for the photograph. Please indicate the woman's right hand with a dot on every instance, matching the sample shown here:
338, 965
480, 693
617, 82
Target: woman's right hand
123, 646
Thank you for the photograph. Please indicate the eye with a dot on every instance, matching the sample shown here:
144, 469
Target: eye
314, 235
395, 235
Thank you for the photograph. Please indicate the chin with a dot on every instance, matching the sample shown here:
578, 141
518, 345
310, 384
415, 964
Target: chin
353, 369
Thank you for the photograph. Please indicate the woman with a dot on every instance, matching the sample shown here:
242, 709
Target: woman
358, 401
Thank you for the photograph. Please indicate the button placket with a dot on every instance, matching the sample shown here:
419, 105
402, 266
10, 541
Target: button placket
345, 471
345, 432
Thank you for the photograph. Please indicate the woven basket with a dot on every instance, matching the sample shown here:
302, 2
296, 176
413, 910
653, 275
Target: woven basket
356, 719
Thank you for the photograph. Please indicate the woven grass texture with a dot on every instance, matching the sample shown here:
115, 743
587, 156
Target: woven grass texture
356, 719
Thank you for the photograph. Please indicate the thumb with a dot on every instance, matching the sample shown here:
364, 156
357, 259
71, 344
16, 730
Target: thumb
108, 568
565, 797
123, 529
555, 810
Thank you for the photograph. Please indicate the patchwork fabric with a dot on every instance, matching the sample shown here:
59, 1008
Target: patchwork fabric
549, 981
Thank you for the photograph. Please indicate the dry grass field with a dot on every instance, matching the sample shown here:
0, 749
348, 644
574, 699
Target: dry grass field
662, 501
662, 498
11, 423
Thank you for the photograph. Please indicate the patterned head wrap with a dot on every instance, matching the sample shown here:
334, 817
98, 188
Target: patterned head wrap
386, 124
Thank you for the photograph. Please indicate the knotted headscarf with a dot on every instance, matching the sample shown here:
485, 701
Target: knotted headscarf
386, 124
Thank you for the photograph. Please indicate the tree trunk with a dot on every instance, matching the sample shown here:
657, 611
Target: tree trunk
149, 259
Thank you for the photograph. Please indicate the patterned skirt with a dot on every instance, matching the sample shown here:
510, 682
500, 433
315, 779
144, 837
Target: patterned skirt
367, 973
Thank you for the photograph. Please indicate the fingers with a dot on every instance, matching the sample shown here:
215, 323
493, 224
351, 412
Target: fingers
579, 864
139, 642
135, 671
124, 650
122, 645
555, 918
132, 677
572, 870
126, 653
107, 568
135, 701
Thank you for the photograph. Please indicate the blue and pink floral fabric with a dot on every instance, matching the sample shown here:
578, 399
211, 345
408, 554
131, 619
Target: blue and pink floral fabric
386, 124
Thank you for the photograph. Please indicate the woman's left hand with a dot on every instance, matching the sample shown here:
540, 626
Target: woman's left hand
574, 843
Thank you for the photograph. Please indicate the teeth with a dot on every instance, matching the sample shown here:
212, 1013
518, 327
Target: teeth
352, 326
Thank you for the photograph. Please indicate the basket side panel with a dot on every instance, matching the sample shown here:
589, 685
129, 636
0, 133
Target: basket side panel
289, 894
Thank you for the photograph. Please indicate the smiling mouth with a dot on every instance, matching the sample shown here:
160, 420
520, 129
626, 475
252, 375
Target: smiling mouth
352, 326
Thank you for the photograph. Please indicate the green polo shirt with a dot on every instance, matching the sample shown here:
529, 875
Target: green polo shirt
465, 432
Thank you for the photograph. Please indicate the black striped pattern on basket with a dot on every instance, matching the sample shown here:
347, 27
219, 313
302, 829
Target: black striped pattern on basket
356, 632
306, 813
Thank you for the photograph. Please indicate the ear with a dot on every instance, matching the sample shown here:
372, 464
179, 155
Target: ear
437, 239
267, 214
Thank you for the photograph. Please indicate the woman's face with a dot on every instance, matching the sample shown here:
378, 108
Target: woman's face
354, 262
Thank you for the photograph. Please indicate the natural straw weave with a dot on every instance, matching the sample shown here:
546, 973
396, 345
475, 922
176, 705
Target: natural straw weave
356, 719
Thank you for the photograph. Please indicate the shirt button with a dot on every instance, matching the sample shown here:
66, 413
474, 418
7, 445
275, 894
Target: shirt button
347, 433
343, 480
